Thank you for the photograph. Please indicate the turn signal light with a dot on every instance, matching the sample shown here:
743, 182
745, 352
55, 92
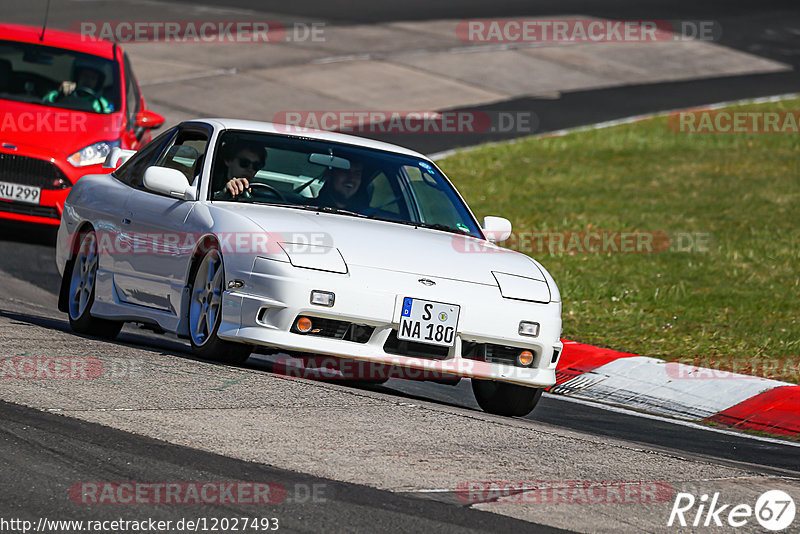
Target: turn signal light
525, 358
303, 325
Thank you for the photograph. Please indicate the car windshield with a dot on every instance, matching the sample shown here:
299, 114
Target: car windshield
333, 177
59, 78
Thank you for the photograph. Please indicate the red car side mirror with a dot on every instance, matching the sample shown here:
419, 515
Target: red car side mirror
149, 119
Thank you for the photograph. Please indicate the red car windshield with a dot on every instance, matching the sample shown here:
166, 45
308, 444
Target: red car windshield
58, 77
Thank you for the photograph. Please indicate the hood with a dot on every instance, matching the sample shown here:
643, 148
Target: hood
392, 246
62, 132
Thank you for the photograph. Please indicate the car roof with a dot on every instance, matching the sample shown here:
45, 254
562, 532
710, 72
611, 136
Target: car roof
58, 39
321, 135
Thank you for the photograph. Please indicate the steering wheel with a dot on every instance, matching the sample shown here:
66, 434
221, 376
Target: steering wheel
83, 90
268, 187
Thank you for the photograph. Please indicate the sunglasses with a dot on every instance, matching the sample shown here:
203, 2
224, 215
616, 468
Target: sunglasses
248, 164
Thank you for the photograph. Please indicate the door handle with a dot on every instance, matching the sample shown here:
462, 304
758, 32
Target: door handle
126, 221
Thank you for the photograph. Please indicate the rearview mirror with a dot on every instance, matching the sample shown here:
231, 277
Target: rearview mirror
496, 229
117, 157
329, 160
170, 182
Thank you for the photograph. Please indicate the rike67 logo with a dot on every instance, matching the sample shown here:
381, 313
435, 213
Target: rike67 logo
774, 510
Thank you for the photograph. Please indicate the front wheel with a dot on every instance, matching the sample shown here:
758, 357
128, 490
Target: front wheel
502, 398
82, 274
205, 313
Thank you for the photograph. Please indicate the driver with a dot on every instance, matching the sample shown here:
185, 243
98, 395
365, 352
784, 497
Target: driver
242, 160
87, 86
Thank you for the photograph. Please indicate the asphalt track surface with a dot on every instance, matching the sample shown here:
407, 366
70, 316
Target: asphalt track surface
43, 454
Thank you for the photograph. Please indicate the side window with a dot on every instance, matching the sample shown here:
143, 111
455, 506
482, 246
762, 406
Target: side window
186, 153
133, 97
132, 171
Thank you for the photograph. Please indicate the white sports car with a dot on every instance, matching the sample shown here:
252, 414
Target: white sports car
244, 235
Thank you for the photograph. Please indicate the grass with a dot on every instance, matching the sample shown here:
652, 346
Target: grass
733, 305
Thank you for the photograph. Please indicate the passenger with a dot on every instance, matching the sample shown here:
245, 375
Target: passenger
345, 189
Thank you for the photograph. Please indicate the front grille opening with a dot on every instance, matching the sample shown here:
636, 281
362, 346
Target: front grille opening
414, 349
489, 352
554, 359
473, 351
29, 209
31, 171
332, 328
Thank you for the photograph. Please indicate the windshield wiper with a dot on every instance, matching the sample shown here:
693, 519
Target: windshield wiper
339, 211
443, 228
429, 226
328, 209
324, 209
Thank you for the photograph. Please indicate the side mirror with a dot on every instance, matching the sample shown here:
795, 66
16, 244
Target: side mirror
149, 119
496, 229
170, 182
117, 157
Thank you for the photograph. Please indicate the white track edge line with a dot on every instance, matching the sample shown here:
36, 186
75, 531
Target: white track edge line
681, 422
616, 122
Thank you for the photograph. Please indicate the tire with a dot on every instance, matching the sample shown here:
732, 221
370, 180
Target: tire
79, 278
205, 313
502, 398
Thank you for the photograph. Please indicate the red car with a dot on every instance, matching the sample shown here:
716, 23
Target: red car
65, 101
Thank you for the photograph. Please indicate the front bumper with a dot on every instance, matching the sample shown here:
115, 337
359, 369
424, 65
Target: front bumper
264, 310
39, 168
47, 211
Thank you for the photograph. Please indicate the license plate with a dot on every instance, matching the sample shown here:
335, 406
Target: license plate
20, 193
429, 322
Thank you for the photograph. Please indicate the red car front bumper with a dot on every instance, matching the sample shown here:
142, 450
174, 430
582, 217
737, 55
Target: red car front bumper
54, 177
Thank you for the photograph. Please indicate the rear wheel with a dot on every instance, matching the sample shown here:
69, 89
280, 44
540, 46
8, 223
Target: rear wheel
502, 398
205, 313
82, 273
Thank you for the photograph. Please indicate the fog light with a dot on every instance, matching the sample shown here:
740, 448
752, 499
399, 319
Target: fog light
322, 298
525, 358
303, 325
527, 328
